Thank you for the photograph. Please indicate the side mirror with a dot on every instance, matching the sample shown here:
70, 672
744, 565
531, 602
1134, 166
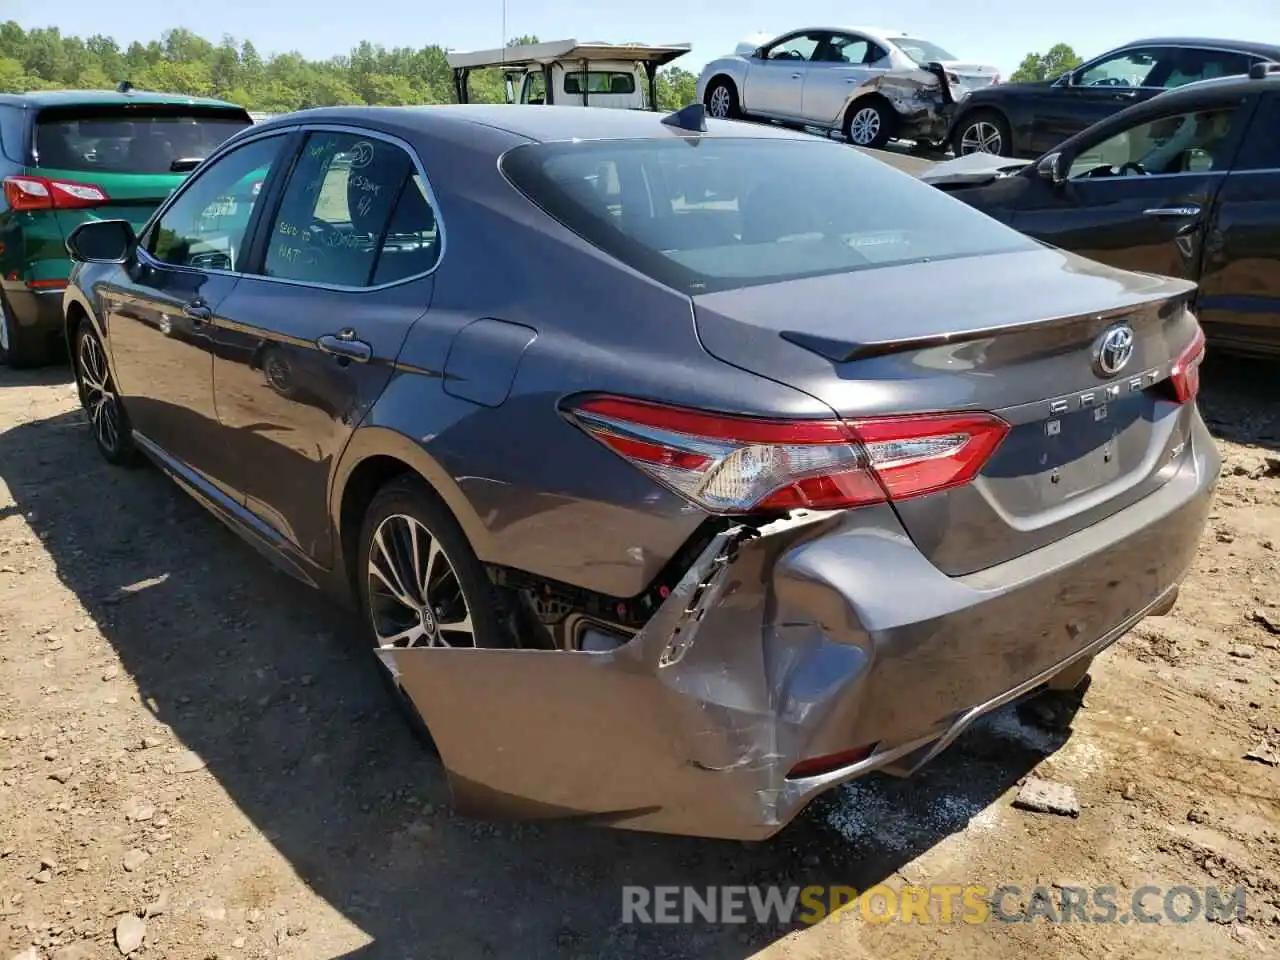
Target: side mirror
1053, 168
103, 241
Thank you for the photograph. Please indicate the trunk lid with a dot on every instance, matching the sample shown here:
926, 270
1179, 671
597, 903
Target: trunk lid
972, 75
1014, 334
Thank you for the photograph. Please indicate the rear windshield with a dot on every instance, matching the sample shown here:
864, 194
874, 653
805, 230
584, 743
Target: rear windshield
713, 214
922, 51
600, 81
130, 139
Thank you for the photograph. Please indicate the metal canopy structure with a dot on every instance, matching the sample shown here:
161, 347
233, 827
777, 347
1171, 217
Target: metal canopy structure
573, 54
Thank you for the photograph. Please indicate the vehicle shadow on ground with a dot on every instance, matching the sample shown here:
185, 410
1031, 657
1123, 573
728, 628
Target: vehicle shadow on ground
258, 675
1239, 400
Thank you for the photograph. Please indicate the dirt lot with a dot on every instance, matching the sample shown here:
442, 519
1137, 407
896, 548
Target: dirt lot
188, 736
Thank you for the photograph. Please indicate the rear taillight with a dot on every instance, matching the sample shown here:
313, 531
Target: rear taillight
1185, 375
39, 193
995, 79
732, 464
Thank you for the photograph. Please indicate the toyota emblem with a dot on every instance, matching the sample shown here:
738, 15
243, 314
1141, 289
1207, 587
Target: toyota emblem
1115, 349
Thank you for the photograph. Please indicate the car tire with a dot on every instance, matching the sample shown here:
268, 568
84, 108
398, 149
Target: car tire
983, 127
1072, 677
721, 100
20, 347
461, 591
112, 432
870, 123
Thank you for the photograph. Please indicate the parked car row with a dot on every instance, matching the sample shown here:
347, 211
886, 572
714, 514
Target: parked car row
875, 85
71, 156
673, 482
1186, 184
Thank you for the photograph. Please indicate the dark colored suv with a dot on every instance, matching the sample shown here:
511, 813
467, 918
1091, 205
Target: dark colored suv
67, 156
1028, 119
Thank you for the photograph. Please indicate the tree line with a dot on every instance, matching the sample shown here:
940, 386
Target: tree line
183, 62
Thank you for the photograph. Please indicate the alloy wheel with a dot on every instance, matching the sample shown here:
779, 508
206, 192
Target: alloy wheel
415, 597
718, 106
865, 126
981, 137
99, 396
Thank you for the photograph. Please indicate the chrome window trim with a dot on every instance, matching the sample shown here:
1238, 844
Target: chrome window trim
307, 128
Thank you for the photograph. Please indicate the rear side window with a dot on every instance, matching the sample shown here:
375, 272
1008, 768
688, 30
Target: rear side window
600, 81
354, 213
1260, 149
714, 214
130, 139
11, 133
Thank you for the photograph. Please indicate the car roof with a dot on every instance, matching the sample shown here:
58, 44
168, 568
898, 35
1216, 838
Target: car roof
1244, 46
76, 98
542, 123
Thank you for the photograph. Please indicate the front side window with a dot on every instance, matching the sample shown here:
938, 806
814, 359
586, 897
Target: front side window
207, 223
795, 48
534, 90
1132, 68
722, 213
131, 138
353, 213
1182, 143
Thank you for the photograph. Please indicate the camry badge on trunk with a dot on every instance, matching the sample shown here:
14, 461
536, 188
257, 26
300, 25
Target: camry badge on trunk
1115, 348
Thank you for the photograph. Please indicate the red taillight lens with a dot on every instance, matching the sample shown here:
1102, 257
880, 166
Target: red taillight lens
38, 193
732, 464
1185, 375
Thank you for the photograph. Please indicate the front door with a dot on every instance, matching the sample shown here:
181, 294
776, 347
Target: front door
774, 85
1140, 198
307, 343
1239, 301
160, 325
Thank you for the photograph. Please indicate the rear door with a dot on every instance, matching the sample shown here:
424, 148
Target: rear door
841, 64
341, 269
775, 85
1140, 197
1240, 279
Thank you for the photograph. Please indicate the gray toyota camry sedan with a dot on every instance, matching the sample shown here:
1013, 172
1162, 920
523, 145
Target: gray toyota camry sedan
679, 470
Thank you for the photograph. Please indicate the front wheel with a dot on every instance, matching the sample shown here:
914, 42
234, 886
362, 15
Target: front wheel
112, 433
421, 585
983, 131
869, 124
721, 100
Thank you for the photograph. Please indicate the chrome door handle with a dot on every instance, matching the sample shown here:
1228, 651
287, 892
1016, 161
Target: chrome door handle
1190, 210
345, 346
197, 310
796, 76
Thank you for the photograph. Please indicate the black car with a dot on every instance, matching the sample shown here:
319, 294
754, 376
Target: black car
1186, 184
1027, 119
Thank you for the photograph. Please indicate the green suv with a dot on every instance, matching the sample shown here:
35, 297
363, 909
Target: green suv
67, 156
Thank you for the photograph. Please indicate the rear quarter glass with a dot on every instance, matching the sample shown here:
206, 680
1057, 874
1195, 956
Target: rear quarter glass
720, 213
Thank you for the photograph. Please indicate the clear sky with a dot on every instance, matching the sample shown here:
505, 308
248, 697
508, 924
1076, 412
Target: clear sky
999, 32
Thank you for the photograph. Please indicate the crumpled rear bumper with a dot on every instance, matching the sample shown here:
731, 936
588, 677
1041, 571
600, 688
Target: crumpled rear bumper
816, 635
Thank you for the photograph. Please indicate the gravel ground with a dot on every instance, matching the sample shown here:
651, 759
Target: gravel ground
192, 751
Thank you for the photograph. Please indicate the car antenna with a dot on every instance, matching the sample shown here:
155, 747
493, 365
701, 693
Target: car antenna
124, 86
693, 117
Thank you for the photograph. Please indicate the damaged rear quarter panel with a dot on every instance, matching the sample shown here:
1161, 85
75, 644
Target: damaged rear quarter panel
690, 727
922, 106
